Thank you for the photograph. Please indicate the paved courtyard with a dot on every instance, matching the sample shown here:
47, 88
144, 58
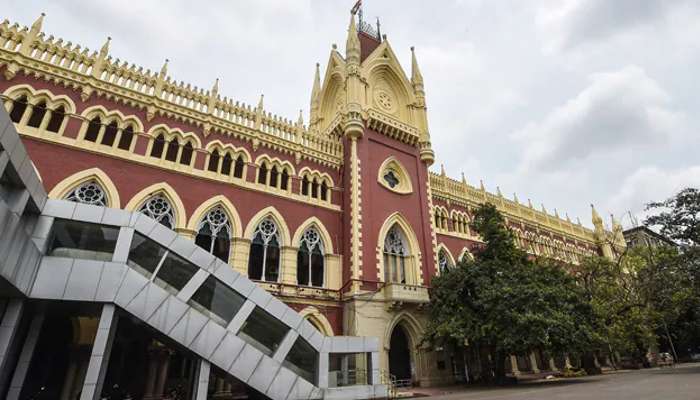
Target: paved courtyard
679, 383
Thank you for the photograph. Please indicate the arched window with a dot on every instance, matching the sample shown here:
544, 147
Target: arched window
158, 146
110, 134
214, 161
324, 191
262, 174
18, 109
38, 113
226, 164
173, 148
238, 169
56, 119
395, 254
186, 156
314, 188
214, 233
305, 186
126, 138
274, 174
310, 260
158, 207
285, 180
93, 129
444, 261
264, 260
89, 192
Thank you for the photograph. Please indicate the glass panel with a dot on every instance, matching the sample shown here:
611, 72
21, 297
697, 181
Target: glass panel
173, 147
158, 144
303, 359
83, 240
186, 156
303, 265
285, 180
238, 169
255, 260
226, 164
304, 187
317, 267
263, 331
222, 301
272, 260
175, 273
262, 174
347, 369
221, 247
145, 254
273, 177
213, 161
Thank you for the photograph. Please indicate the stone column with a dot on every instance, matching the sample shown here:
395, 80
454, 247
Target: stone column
9, 340
26, 355
514, 365
289, 265
239, 259
99, 358
533, 363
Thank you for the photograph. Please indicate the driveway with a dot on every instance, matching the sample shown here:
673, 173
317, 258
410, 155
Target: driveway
679, 383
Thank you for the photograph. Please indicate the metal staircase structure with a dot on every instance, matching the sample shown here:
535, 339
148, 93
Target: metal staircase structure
159, 277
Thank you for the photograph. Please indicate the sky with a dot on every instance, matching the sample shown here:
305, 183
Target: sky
566, 103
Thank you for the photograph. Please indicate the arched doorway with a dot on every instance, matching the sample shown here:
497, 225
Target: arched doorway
400, 354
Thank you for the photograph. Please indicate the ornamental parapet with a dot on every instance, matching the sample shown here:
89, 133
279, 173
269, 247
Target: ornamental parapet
462, 193
30, 51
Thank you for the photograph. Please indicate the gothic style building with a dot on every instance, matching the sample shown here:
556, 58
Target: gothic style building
339, 218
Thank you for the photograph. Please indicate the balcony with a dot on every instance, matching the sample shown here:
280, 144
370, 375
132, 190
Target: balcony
399, 293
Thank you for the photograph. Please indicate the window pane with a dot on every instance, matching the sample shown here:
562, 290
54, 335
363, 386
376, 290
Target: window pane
238, 170
93, 129
303, 265
272, 261
347, 369
158, 145
303, 359
173, 147
83, 240
175, 272
226, 165
218, 298
262, 174
110, 134
126, 138
221, 248
263, 331
273, 177
186, 156
145, 254
317, 267
18, 109
255, 260
213, 161
38, 112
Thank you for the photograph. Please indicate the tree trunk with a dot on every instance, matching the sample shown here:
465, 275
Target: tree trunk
588, 364
499, 372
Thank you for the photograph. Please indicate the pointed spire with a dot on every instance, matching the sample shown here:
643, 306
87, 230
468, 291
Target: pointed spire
260, 102
215, 88
164, 68
105, 48
515, 198
556, 213
36, 26
442, 170
416, 76
481, 185
529, 203
578, 221
315, 97
464, 179
352, 45
498, 191
595, 217
567, 217
544, 210
300, 121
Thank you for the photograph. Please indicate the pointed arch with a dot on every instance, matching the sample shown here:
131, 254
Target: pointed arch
106, 114
165, 189
317, 319
412, 327
414, 271
465, 253
276, 216
450, 259
63, 187
316, 223
393, 166
225, 203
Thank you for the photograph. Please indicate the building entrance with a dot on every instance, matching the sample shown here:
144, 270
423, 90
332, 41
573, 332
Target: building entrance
400, 355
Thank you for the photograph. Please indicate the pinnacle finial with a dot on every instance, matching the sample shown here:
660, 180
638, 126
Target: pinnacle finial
529, 203
353, 42
498, 191
215, 88
515, 198
164, 68
464, 179
442, 170
481, 185
260, 103
300, 121
36, 26
416, 76
105, 47
595, 217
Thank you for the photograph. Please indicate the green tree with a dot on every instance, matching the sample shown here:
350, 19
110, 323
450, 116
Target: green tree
678, 217
505, 303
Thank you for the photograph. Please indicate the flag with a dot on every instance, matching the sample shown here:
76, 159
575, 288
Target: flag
356, 7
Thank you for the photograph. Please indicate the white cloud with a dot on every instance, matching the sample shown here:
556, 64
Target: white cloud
651, 183
619, 110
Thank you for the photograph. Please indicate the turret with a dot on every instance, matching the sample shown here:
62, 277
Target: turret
427, 154
600, 234
354, 126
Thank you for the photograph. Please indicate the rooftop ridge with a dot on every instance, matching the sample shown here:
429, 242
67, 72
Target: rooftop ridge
32, 50
442, 184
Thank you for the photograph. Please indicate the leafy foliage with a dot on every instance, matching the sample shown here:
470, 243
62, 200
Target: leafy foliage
507, 303
679, 216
